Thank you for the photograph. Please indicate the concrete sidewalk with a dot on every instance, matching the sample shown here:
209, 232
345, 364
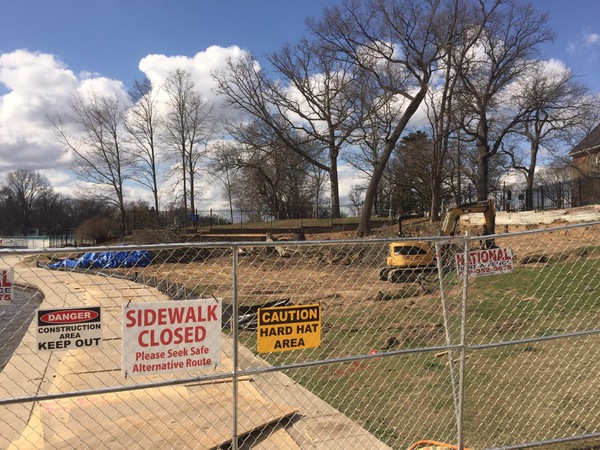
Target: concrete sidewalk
274, 411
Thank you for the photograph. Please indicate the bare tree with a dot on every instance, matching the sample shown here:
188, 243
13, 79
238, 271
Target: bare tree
410, 171
25, 190
398, 44
143, 124
556, 182
313, 102
505, 48
440, 103
356, 199
273, 178
98, 142
188, 129
380, 113
223, 167
557, 104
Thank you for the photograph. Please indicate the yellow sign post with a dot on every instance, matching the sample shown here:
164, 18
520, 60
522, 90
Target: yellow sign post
289, 328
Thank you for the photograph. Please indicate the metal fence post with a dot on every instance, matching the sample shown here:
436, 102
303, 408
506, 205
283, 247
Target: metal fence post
438, 255
234, 357
463, 325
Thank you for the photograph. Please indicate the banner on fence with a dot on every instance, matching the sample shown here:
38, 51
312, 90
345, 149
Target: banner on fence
289, 328
69, 328
182, 336
486, 262
6, 286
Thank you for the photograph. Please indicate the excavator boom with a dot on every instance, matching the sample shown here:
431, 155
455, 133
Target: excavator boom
486, 207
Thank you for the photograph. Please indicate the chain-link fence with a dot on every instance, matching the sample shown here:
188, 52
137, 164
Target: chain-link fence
363, 344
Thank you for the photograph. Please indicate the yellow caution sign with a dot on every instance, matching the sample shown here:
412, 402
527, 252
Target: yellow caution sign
289, 328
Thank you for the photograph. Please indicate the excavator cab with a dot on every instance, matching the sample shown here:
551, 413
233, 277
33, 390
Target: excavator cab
407, 260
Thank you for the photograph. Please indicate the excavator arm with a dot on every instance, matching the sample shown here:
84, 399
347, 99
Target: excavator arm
486, 207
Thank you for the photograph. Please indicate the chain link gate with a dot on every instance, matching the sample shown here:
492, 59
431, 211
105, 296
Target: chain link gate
506, 360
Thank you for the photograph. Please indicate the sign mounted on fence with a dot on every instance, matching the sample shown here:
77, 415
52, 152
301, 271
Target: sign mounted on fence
289, 328
181, 336
69, 328
6, 286
486, 262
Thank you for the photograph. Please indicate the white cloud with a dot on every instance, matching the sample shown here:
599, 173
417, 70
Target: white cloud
38, 86
587, 45
105, 86
35, 86
554, 66
348, 178
201, 66
60, 180
591, 38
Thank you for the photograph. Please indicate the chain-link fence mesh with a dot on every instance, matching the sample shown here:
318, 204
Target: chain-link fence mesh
404, 354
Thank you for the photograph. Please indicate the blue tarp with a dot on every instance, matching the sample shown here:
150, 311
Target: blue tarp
105, 260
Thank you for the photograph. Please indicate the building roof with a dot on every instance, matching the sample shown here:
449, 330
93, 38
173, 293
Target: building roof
589, 143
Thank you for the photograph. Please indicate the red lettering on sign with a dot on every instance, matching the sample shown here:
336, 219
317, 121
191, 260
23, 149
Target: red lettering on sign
5, 281
70, 316
168, 336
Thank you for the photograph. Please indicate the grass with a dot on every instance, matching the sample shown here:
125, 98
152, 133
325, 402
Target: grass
548, 290
508, 389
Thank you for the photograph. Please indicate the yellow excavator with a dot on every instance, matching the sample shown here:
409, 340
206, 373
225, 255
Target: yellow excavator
408, 261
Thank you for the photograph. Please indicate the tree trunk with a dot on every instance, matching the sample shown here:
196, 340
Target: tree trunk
335, 189
529, 192
364, 224
184, 182
191, 181
434, 212
482, 173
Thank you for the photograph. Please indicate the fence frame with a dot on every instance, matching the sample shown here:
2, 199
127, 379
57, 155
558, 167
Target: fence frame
462, 348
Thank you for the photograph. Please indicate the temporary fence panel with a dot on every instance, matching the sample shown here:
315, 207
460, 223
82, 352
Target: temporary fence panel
313, 347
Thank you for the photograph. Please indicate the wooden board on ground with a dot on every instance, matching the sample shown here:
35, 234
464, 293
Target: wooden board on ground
156, 418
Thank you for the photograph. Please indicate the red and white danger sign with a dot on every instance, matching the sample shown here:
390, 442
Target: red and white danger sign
6, 286
179, 336
69, 328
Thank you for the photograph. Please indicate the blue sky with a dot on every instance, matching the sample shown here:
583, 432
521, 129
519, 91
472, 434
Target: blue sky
110, 37
50, 46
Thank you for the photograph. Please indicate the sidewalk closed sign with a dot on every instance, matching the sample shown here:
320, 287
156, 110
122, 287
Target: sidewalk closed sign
6, 286
486, 262
69, 328
177, 336
289, 328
